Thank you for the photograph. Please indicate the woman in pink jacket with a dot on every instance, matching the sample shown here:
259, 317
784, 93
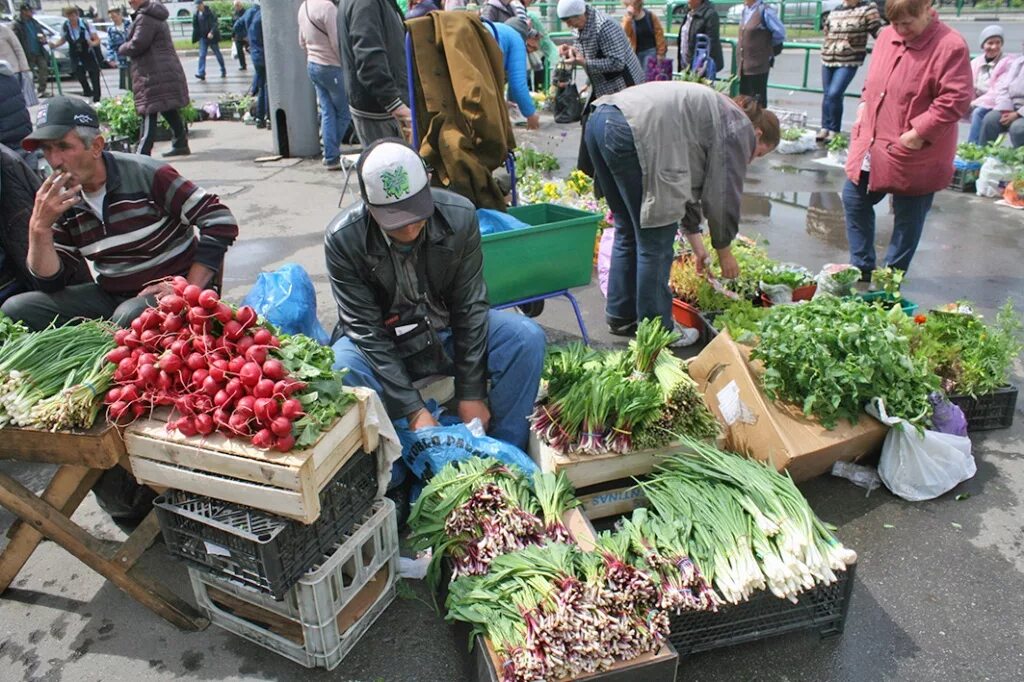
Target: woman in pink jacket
918, 86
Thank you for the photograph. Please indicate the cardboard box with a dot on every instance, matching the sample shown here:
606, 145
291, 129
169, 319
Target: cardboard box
613, 498
774, 431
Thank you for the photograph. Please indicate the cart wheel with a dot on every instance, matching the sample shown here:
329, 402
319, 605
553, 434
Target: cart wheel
532, 309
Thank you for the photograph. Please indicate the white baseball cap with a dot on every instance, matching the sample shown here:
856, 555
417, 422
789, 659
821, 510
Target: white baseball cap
394, 184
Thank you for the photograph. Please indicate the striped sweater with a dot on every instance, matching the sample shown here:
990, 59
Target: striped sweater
146, 232
846, 34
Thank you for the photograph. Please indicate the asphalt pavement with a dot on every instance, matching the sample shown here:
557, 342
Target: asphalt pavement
938, 584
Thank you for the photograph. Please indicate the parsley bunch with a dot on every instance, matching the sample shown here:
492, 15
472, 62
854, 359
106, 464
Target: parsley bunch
832, 356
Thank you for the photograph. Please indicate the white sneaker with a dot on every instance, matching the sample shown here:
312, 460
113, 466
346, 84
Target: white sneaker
687, 336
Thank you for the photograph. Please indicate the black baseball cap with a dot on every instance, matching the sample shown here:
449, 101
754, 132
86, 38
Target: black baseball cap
58, 117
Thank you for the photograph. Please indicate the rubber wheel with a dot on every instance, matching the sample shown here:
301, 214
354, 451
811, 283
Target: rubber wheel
533, 309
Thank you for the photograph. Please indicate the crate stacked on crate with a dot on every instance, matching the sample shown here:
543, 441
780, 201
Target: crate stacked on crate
294, 551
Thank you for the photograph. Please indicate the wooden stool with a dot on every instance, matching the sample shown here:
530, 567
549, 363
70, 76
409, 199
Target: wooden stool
83, 457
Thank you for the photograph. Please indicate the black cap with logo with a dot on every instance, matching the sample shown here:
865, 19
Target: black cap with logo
58, 117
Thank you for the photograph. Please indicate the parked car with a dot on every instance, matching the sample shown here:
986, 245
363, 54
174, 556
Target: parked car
799, 12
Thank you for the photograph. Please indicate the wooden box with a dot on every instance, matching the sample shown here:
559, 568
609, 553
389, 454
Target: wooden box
655, 667
587, 470
286, 484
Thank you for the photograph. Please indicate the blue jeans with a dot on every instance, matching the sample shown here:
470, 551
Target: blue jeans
834, 81
329, 83
210, 45
515, 357
977, 119
644, 55
910, 213
259, 90
641, 258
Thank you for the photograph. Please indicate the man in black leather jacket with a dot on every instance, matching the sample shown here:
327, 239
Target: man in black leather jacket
407, 273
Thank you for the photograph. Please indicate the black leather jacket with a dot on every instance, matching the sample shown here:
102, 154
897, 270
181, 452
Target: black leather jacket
365, 283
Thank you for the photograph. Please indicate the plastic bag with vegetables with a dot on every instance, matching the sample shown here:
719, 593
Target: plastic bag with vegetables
837, 279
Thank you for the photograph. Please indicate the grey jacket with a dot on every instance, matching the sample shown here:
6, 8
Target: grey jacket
694, 146
371, 42
365, 285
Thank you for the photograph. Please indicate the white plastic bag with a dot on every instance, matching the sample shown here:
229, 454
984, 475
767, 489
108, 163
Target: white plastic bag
807, 143
921, 466
992, 178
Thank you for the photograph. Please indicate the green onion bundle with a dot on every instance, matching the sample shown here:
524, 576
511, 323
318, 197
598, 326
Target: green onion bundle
56, 378
479, 509
745, 526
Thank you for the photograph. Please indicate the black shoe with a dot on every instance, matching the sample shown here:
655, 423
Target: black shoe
532, 309
628, 329
241, 68
177, 151
261, 123
223, 74
202, 78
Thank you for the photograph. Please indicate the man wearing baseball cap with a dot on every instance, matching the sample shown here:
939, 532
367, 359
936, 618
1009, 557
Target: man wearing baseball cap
407, 273
131, 216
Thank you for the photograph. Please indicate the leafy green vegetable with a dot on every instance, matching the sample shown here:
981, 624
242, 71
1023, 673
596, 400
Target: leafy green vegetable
743, 321
890, 280
528, 158
324, 398
838, 143
793, 134
970, 152
832, 356
970, 357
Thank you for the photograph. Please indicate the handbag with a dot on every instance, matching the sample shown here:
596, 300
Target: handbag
658, 69
568, 108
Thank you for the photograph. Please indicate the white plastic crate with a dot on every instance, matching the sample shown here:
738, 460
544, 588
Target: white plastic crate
325, 614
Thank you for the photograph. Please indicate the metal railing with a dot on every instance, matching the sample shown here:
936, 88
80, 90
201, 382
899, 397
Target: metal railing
807, 48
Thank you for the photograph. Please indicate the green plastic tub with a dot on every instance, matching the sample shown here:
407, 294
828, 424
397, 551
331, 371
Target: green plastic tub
556, 252
909, 307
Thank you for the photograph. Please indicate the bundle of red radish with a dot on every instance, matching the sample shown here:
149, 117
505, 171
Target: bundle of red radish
219, 370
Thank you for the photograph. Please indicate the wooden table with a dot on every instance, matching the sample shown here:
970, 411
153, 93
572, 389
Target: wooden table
83, 457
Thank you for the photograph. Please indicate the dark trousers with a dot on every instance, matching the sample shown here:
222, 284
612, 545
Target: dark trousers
124, 78
37, 309
88, 74
179, 138
909, 215
240, 52
755, 86
259, 91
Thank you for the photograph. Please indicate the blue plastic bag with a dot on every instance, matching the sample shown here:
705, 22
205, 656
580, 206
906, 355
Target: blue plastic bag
427, 451
287, 298
492, 222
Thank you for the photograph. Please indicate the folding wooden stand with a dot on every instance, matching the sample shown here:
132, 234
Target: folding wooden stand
82, 457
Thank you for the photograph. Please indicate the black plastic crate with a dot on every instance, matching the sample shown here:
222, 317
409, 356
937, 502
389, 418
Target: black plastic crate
765, 615
989, 411
265, 552
964, 179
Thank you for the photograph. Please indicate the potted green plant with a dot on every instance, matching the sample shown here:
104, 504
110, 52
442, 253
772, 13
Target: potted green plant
837, 147
123, 123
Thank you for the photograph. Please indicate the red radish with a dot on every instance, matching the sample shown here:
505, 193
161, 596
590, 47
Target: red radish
250, 374
208, 299
263, 439
149, 338
191, 294
267, 407
173, 304
246, 316
118, 410
220, 418
204, 424
129, 393
185, 426
172, 324
236, 364
275, 342
222, 399
148, 373
245, 405
180, 347
195, 361
233, 330
284, 443
257, 354
118, 354
137, 325
273, 369
234, 388
198, 377
178, 283
217, 369
202, 402
263, 389
291, 409
223, 313
163, 380
170, 363
238, 422
243, 344
113, 395
147, 359
281, 426
137, 410
211, 386
202, 343
120, 335
283, 388
132, 340
262, 337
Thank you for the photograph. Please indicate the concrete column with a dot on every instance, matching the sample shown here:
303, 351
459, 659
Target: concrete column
293, 113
